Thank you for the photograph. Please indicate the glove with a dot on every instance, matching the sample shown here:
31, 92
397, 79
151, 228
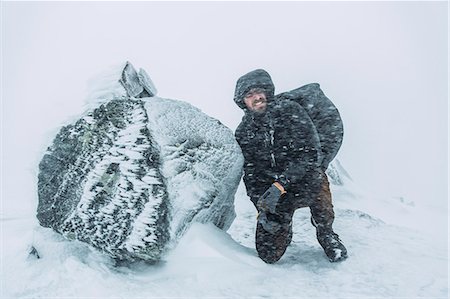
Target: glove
269, 200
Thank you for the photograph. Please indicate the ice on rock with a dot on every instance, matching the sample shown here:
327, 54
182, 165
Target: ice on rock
120, 81
130, 176
337, 175
138, 85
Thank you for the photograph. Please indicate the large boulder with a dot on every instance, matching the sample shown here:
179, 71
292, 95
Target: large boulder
131, 175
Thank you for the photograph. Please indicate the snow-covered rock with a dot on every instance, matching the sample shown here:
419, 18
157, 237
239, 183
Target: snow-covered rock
337, 175
130, 176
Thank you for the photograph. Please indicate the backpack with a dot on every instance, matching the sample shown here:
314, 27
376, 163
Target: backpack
324, 115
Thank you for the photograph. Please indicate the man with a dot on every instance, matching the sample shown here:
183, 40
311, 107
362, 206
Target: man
286, 156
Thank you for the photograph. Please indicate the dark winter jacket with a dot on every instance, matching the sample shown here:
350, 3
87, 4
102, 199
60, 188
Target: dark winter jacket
280, 144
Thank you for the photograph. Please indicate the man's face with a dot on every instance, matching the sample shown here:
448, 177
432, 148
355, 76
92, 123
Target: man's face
256, 100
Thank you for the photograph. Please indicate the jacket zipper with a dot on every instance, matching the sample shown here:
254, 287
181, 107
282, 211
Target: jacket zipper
273, 162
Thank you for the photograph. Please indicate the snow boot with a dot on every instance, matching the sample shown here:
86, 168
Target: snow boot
332, 245
330, 242
273, 235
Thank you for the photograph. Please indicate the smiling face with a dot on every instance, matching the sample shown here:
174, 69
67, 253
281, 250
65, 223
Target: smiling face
256, 100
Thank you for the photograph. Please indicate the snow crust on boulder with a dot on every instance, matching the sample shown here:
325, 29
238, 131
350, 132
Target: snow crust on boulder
121, 80
337, 175
130, 176
197, 153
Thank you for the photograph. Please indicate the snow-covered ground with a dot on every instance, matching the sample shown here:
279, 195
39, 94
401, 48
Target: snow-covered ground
401, 256
397, 248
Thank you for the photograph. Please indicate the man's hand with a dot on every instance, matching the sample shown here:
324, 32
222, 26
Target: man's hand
269, 200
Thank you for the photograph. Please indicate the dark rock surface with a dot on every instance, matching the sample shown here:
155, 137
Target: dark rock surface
130, 176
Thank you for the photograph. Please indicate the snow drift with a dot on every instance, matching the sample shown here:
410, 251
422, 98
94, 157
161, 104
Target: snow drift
130, 176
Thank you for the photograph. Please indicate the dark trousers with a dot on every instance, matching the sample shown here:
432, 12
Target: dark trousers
313, 192
315, 196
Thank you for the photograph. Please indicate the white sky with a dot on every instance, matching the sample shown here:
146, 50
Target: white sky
384, 64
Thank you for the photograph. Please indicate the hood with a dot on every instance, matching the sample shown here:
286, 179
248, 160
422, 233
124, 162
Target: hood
255, 79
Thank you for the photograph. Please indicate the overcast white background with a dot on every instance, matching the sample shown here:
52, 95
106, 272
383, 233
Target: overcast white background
384, 64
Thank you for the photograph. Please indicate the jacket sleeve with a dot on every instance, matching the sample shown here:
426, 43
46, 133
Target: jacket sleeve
250, 163
304, 150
